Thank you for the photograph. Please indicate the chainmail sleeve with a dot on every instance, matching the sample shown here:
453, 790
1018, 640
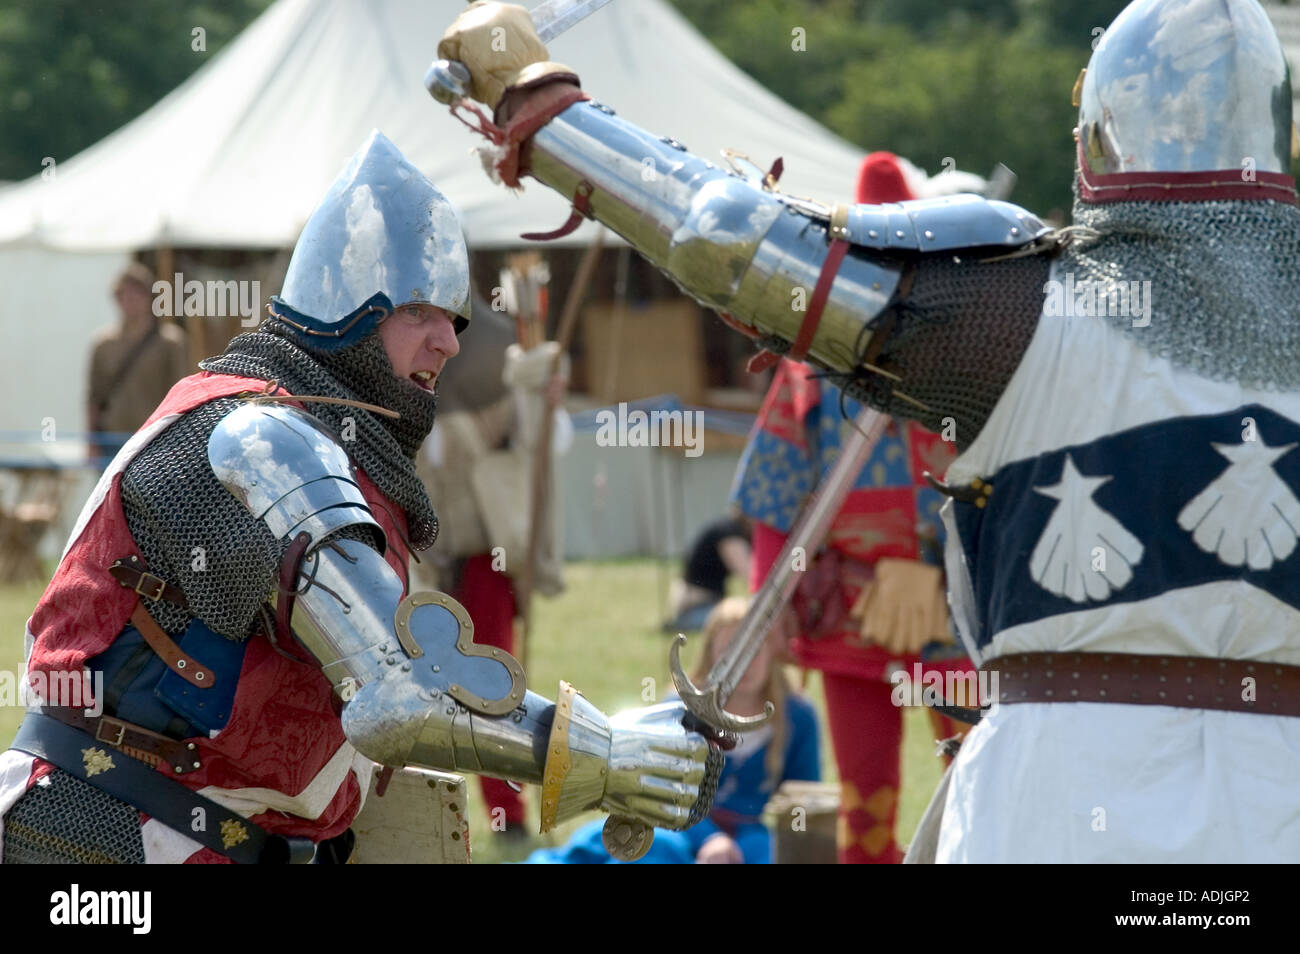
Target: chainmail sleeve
194, 533
958, 337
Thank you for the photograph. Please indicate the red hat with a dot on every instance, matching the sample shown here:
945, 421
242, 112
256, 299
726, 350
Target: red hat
880, 179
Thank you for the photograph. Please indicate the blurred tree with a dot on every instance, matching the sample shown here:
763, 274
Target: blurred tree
1076, 23
971, 100
71, 72
964, 87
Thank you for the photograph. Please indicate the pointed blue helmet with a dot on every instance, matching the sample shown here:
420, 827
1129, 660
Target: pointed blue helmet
381, 238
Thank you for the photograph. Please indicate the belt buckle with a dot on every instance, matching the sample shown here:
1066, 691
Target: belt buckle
162, 586
114, 723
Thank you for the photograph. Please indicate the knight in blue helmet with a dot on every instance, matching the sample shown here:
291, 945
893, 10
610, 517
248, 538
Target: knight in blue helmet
236, 591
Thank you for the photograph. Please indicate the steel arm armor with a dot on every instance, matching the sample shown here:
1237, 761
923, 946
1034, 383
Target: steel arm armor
752, 253
415, 688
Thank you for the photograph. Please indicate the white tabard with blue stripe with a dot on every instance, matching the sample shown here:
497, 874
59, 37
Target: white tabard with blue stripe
1136, 508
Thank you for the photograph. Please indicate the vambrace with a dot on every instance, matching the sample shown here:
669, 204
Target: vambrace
753, 253
415, 689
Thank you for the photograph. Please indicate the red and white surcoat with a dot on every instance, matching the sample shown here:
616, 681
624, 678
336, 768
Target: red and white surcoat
281, 759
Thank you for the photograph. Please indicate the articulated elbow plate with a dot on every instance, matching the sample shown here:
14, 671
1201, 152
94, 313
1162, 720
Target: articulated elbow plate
407, 669
751, 252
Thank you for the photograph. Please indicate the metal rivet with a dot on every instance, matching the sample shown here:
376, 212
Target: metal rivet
872, 233
196, 764
898, 233
929, 234
190, 746
437, 668
180, 664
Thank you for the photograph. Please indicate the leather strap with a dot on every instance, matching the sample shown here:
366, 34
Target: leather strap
135, 741
176, 659
530, 117
131, 572
581, 210
158, 796
813, 316
282, 638
1186, 682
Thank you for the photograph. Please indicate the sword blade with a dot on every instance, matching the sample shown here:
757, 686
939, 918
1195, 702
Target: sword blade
808, 532
556, 16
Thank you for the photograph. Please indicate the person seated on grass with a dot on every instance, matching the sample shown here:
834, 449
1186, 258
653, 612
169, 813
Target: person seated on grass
721, 549
785, 748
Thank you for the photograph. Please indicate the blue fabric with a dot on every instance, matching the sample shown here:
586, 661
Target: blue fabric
743, 790
692, 618
159, 700
208, 709
1154, 471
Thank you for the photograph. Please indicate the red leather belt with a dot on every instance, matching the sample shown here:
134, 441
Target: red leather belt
1188, 682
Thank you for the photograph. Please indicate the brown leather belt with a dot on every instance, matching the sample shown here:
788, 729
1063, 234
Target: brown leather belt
133, 740
1188, 682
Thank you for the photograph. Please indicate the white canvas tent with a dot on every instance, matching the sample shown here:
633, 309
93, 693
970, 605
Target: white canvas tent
239, 154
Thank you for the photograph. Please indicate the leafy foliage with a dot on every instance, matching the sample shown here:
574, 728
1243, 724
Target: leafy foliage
72, 72
975, 81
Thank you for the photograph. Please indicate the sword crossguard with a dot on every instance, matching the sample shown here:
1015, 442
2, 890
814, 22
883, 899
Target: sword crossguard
704, 704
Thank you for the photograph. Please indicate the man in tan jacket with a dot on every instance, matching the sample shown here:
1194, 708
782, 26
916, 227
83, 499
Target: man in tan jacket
133, 364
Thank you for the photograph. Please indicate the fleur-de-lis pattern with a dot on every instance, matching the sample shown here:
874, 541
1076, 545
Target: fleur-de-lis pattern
801, 430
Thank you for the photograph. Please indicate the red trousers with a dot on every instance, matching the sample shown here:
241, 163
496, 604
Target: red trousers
489, 599
867, 735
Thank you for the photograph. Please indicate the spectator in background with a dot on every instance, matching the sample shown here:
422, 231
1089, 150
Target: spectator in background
720, 550
133, 365
784, 749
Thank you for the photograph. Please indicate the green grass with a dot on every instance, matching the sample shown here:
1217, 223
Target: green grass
602, 634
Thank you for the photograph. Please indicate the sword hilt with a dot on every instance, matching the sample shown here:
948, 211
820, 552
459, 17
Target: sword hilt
706, 705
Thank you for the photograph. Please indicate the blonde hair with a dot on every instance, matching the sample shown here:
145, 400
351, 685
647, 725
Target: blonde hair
725, 615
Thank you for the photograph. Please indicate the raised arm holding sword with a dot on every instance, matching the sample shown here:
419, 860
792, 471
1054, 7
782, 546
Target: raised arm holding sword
1136, 529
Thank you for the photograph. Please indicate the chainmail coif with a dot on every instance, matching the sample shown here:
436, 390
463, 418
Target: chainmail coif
385, 448
193, 532
1225, 282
